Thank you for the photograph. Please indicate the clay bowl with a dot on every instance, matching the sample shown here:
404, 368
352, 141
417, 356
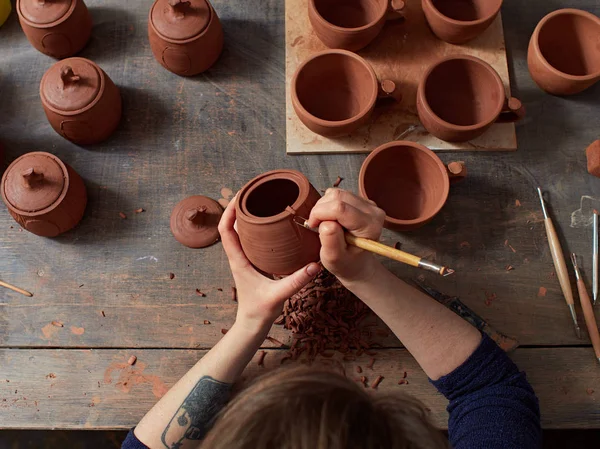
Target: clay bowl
265, 209
460, 97
57, 28
186, 37
564, 52
408, 181
334, 92
351, 24
81, 102
459, 21
44, 195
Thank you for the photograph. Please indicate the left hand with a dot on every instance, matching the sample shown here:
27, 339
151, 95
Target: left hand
260, 299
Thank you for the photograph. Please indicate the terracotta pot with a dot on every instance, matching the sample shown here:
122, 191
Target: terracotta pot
460, 97
459, 21
81, 102
265, 210
351, 24
186, 36
334, 92
408, 181
564, 52
43, 194
58, 28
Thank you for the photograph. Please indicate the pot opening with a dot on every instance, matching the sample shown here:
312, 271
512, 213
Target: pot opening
350, 13
467, 10
272, 197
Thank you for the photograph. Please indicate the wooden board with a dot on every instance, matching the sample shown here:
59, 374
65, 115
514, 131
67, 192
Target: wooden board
402, 53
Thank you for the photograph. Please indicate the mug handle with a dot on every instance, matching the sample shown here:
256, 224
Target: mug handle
457, 171
388, 90
513, 111
395, 10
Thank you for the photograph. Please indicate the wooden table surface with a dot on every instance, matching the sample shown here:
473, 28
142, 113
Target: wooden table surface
108, 280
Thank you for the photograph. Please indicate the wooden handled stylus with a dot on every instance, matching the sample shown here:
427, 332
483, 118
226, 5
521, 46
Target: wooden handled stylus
15, 289
588, 311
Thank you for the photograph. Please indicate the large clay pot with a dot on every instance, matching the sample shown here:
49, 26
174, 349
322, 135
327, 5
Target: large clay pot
460, 97
43, 194
81, 102
186, 36
564, 52
351, 24
408, 181
459, 21
265, 210
58, 28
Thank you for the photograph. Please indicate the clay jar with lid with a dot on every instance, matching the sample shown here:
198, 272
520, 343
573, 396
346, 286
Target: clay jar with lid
81, 102
58, 28
265, 210
43, 194
186, 36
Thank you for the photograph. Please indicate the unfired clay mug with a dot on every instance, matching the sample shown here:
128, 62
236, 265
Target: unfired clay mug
564, 52
460, 97
459, 21
351, 24
334, 92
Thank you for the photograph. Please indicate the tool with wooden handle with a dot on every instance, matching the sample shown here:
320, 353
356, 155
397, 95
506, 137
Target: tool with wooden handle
560, 264
15, 289
588, 311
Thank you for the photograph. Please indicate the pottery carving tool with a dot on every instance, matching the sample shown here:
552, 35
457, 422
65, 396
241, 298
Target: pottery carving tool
15, 289
588, 311
595, 258
385, 251
560, 264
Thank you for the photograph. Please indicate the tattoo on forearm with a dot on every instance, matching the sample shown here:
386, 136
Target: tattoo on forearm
193, 418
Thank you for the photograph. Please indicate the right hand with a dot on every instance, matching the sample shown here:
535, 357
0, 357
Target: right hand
340, 210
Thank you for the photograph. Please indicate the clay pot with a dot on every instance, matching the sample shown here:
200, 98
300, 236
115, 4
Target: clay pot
265, 209
459, 21
334, 92
351, 24
57, 28
186, 36
564, 52
81, 102
408, 181
460, 97
43, 194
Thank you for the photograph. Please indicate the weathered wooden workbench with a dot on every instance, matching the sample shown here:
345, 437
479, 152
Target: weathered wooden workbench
108, 280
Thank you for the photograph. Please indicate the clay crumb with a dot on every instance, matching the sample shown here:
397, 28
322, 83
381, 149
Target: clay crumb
57, 324
402, 382
517, 203
50, 376
224, 331
234, 294
489, 298
199, 293
376, 382
140, 210
512, 249
275, 341
261, 358
81, 285
171, 276
465, 244
505, 242
363, 380
122, 215
404, 375
206, 322
542, 292
590, 391
338, 181
509, 268
397, 245
358, 369
102, 313
371, 363
132, 360
219, 289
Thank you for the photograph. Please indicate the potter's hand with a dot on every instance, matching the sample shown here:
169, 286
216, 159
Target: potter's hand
339, 210
260, 299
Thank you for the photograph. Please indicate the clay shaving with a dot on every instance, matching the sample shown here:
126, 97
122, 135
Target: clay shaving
171, 276
261, 358
376, 382
57, 324
234, 294
206, 322
140, 210
199, 293
122, 215
338, 181
132, 360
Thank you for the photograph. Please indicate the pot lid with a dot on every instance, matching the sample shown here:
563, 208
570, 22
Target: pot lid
34, 182
179, 19
71, 84
194, 221
43, 12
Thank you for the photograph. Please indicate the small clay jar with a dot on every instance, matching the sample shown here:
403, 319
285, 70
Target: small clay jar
195, 221
334, 92
81, 102
265, 211
351, 24
186, 36
564, 52
409, 182
459, 21
43, 194
460, 97
57, 28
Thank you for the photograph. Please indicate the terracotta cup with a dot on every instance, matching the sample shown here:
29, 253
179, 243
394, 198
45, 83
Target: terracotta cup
58, 28
564, 52
43, 194
351, 24
265, 209
459, 21
81, 102
408, 181
460, 97
334, 92
186, 36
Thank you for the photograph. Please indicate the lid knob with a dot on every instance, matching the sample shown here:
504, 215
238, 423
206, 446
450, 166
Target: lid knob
32, 178
68, 77
43, 2
178, 7
197, 215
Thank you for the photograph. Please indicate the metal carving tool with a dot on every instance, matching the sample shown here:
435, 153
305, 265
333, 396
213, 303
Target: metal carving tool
595, 258
588, 311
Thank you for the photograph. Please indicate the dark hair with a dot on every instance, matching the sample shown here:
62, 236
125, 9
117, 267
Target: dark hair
306, 408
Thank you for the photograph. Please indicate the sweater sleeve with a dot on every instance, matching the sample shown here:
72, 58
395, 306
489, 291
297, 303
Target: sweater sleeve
492, 405
131, 442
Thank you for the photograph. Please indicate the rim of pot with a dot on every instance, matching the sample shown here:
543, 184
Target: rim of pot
46, 25
181, 41
336, 123
324, 21
431, 155
536, 41
489, 68
462, 22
